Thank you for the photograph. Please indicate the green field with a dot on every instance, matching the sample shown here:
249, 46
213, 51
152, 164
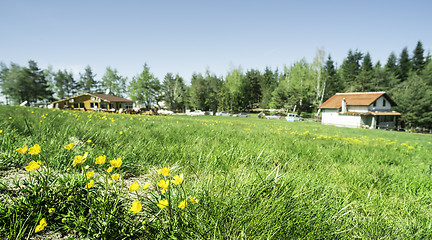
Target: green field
253, 178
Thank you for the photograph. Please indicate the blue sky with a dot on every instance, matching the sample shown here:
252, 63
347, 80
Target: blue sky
192, 36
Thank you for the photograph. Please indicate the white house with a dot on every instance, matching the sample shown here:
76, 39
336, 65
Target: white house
360, 109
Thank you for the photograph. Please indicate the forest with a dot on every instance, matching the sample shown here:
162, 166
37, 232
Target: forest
301, 87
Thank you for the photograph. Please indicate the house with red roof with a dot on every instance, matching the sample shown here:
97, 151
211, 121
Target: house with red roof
94, 101
360, 109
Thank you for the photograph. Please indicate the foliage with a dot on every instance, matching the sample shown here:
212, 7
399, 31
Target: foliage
113, 83
144, 88
174, 92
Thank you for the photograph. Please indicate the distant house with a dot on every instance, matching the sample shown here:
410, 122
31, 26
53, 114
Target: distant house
94, 101
368, 109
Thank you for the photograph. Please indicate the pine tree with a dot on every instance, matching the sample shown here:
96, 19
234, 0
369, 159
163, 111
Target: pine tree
404, 65
113, 82
418, 59
333, 85
144, 88
87, 80
366, 74
351, 69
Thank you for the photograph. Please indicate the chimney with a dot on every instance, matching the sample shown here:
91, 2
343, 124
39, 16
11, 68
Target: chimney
344, 107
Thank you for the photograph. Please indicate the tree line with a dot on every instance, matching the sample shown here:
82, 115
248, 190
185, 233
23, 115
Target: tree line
301, 87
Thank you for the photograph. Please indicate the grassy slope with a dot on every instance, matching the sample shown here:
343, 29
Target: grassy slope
255, 178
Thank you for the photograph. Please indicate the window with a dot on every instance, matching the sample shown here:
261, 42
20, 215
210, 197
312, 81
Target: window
374, 104
384, 102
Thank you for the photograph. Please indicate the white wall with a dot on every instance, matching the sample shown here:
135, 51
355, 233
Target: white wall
332, 117
358, 109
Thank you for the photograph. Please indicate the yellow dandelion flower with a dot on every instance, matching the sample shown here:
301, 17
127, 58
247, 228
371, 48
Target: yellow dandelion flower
90, 174
22, 150
33, 166
100, 159
90, 184
78, 160
182, 204
164, 171
163, 191
147, 185
163, 184
69, 146
193, 200
162, 204
10, 117
115, 176
34, 150
178, 179
41, 226
136, 206
134, 186
51, 210
116, 163
69, 198
109, 169
1, 131
121, 132
89, 141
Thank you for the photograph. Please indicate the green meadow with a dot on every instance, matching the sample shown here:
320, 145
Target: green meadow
243, 178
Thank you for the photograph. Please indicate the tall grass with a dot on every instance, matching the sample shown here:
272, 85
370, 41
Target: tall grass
254, 178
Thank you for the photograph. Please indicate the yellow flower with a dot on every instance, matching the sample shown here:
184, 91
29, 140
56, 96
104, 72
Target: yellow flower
78, 159
10, 117
146, 186
116, 162
69, 198
193, 200
115, 176
51, 210
109, 169
164, 185
90, 184
22, 150
164, 171
33, 166
136, 206
182, 204
134, 186
69, 146
163, 191
89, 141
34, 150
178, 179
41, 226
89, 174
1, 131
121, 132
100, 159
162, 204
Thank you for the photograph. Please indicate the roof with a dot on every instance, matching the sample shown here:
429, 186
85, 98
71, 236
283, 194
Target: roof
356, 98
105, 97
374, 113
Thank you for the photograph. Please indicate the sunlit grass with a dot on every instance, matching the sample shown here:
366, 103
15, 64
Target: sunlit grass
252, 178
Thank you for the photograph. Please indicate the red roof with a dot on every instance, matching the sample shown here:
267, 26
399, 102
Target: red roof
357, 99
105, 97
110, 98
